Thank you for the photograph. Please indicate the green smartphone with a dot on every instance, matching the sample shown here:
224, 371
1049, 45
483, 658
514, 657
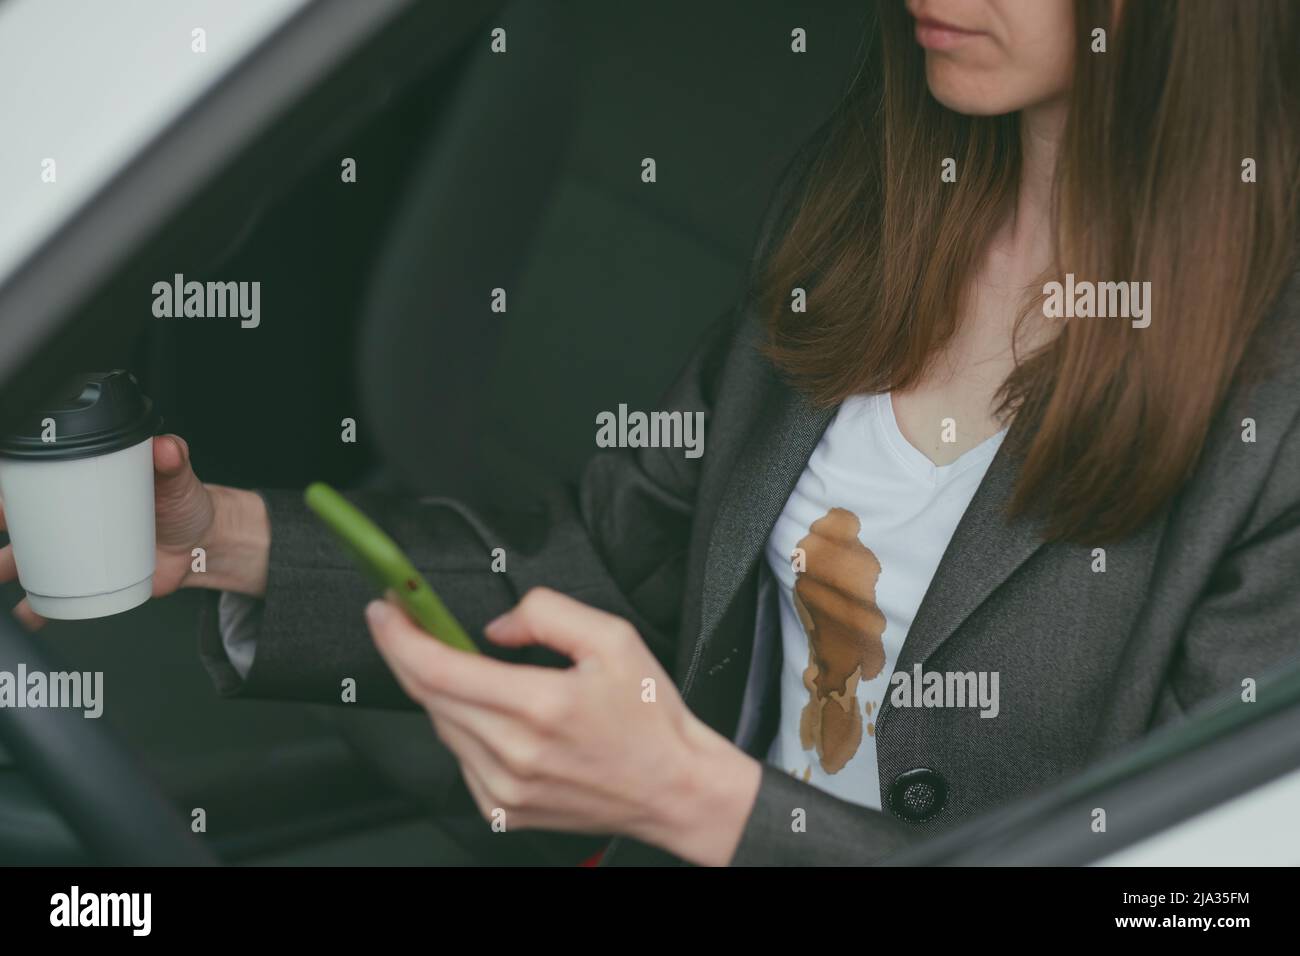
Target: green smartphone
384, 563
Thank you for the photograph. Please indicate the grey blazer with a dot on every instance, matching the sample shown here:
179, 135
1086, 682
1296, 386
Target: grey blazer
1202, 598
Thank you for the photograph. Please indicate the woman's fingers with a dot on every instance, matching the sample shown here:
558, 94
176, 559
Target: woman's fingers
511, 743
425, 666
495, 787
170, 455
474, 782
562, 623
8, 572
27, 617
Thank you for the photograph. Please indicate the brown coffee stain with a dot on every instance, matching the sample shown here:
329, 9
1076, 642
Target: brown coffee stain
835, 598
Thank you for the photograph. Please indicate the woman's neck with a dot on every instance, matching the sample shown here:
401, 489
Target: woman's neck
1041, 128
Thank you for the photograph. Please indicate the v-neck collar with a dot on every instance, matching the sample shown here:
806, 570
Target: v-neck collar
919, 463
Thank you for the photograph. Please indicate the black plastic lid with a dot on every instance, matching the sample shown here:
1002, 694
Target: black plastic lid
94, 414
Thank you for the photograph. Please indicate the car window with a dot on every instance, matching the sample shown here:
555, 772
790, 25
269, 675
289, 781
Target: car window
80, 93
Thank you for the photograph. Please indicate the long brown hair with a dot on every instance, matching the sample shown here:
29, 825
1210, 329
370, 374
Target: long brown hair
1108, 419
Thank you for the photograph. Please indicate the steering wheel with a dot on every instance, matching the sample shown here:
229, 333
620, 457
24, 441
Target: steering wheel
95, 781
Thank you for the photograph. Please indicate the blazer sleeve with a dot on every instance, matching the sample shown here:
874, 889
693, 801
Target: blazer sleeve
1246, 622
794, 823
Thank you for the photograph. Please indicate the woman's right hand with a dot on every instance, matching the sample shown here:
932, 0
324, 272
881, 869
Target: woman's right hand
229, 524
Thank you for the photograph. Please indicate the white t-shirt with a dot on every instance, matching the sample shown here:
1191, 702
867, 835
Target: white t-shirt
870, 516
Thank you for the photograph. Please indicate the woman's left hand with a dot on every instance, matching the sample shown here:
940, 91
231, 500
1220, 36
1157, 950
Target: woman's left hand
605, 746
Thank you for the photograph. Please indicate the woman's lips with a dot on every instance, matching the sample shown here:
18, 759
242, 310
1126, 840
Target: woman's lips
935, 35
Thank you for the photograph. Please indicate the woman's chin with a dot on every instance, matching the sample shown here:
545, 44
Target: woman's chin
970, 95
963, 101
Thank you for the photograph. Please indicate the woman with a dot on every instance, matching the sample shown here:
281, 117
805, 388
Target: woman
958, 531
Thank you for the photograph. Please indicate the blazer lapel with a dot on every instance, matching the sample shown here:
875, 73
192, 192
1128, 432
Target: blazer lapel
766, 471
985, 550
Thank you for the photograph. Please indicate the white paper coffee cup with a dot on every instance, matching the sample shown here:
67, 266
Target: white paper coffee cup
77, 485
